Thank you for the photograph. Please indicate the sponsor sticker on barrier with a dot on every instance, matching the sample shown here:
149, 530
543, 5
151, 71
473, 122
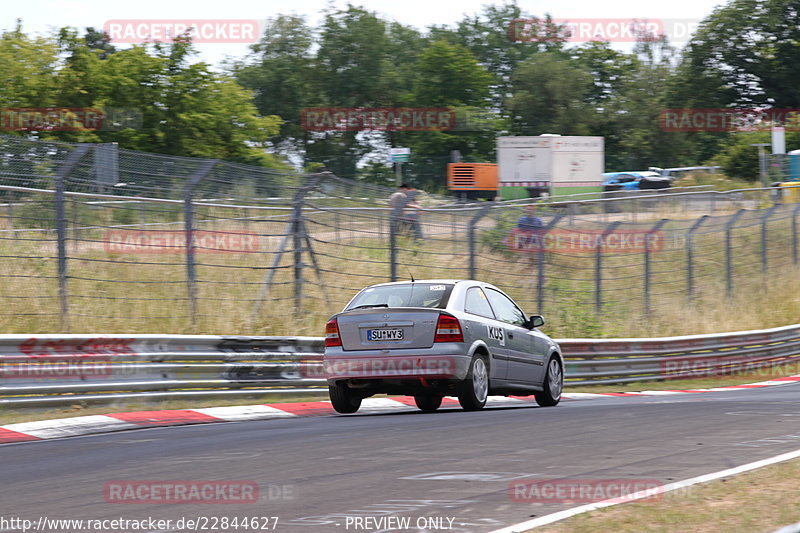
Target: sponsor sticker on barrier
93, 346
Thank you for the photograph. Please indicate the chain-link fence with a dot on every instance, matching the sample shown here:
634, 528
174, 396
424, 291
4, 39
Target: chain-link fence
186, 245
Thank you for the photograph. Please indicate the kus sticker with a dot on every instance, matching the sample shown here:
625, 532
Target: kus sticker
497, 334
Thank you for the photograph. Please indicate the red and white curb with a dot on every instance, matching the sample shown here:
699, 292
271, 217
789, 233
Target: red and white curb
88, 425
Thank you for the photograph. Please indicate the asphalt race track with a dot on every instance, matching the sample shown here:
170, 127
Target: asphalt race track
318, 474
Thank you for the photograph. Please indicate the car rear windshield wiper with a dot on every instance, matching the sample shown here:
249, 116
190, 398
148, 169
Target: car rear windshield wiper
367, 306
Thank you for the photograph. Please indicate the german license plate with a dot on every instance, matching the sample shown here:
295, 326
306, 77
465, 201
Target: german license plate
384, 334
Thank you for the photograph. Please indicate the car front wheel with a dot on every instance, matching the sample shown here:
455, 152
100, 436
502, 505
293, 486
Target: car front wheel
553, 384
344, 399
475, 389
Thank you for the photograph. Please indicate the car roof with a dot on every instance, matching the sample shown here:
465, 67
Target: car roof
448, 281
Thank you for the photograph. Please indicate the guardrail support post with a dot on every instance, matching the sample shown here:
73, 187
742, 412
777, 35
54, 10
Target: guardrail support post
473, 249
540, 262
188, 226
647, 238
728, 252
598, 267
62, 172
690, 256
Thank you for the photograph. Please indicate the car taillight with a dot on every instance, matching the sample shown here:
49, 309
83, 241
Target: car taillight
332, 333
448, 329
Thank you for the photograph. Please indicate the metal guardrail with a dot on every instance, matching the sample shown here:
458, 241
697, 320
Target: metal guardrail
54, 370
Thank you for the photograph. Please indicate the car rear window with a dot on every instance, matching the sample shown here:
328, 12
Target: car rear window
433, 295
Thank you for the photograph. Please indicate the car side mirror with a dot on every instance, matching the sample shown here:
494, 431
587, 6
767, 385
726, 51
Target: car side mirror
536, 321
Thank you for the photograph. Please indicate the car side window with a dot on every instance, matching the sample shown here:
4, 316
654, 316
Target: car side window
477, 304
504, 309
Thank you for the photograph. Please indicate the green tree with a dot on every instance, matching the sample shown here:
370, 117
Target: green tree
551, 95
281, 74
747, 51
28, 65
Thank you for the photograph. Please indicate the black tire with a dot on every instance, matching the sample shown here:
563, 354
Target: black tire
553, 384
474, 390
427, 403
344, 399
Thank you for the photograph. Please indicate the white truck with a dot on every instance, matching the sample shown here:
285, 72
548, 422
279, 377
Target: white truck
547, 162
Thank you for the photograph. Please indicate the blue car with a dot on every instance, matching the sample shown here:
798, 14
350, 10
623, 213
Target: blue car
634, 181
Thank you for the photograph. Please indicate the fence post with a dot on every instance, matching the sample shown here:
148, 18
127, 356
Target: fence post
61, 230
764, 220
10, 216
473, 266
75, 232
647, 239
794, 233
598, 267
540, 262
690, 256
728, 254
188, 226
292, 231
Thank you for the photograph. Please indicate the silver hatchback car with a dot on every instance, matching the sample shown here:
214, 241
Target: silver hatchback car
436, 338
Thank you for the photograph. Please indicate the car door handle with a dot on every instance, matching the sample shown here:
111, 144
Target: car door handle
510, 335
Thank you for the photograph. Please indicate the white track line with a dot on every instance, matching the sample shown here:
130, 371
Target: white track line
561, 515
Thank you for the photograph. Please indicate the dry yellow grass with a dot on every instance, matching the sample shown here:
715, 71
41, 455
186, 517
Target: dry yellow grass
759, 501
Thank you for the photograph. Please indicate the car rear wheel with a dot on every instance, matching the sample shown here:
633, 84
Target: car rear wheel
428, 403
344, 399
475, 389
553, 384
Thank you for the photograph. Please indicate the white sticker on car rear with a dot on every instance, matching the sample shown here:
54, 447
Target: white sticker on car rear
437, 287
497, 334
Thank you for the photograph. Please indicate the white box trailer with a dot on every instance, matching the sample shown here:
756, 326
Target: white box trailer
549, 161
